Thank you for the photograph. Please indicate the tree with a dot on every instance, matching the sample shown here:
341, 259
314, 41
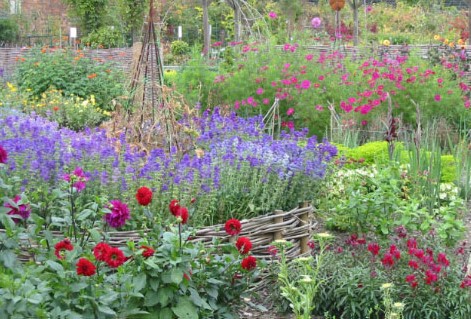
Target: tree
206, 34
355, 5
90, 13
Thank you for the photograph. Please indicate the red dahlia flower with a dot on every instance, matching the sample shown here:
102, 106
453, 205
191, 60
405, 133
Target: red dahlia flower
101, 250
144, 196
182, 213
61, 247
3, 155
115, 257
85, 267
249, 263
174, 206
243, 245
148, 251
233, 227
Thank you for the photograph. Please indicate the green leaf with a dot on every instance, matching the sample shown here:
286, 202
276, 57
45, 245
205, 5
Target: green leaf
78, 286
84, 214
151, 264
106, 310
197, 300
185, 309
55, 266
151, 298
164, 296
173, 276
165, 313
8, 258
139, 282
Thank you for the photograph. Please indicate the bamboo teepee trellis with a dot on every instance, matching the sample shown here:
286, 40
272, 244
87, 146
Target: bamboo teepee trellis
152, 117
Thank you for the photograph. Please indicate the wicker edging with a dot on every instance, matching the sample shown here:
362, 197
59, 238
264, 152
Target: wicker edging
295, 226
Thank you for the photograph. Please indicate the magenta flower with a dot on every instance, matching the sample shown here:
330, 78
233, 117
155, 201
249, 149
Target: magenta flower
259, 91
77, 178
272, 15
290, 111
250, 100
3, 155
16, 211
305, 84
266, 101
316, 22
119, 214
309, 57
438, 97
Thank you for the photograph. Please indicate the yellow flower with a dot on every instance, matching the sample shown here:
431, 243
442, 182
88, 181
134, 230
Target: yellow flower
11, 87
386, 43
386, 285
324, 235
445, 41
92, 99
460, 42
436, 37
452, 44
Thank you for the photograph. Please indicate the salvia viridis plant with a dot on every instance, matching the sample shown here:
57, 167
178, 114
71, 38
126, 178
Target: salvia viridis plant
236, 167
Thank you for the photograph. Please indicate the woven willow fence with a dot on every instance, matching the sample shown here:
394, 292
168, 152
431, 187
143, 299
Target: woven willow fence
295, 226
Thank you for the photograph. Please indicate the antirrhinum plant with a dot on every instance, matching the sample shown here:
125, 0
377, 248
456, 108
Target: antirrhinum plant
299, 280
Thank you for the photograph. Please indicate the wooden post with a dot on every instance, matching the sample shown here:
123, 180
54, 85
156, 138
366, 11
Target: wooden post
304, 221
277, 220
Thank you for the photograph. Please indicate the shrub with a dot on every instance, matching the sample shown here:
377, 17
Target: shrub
71, 73
105, 37
8, 31
179, 47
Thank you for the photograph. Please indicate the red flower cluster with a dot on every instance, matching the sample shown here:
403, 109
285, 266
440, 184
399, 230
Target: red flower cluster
174, 206
249, 263
180, 212
148, 251
233, 227
244, 245
112, 256
61, 247
466, 283
373, 248
85, 267
354, 241
144, 196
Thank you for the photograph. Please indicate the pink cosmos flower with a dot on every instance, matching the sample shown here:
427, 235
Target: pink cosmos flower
309, 57
266, 101
259, 91
290, 111
305, 84
364, 123
272, 15
438, 98
319, 107
250, 100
